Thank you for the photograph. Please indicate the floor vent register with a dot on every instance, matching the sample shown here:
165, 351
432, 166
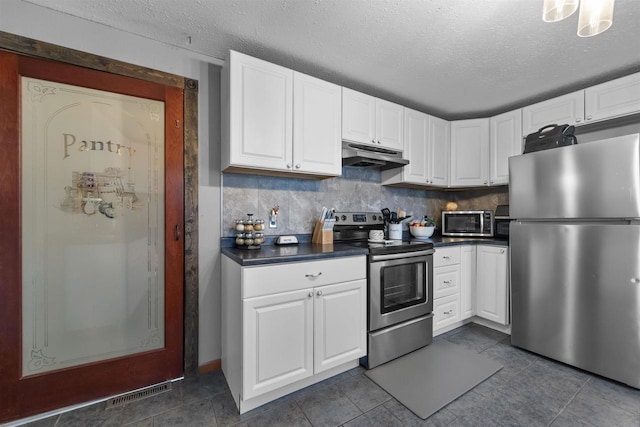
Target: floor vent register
134, 396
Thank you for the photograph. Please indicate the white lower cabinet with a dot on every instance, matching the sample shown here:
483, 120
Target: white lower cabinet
446, 287
469, 280
278, 341
492, 283
286, 326
446, 311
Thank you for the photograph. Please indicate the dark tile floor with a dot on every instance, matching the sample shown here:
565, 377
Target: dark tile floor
528, 391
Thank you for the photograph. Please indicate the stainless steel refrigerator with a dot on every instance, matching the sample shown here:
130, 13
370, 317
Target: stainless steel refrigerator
575, 255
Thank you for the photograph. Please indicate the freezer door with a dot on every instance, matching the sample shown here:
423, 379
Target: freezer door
599, 179
576, 295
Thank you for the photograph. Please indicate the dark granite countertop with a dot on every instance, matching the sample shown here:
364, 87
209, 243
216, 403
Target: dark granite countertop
273, 254
440, 241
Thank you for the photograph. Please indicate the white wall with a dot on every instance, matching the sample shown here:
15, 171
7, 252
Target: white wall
43, 24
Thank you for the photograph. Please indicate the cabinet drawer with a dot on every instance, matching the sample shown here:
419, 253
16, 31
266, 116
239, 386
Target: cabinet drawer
446, 311
291, 276
446, 281
446, 256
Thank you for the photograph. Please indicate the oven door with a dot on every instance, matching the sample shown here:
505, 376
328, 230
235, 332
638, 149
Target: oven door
399, 287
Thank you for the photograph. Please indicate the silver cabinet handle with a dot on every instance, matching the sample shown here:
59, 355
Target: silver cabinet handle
501, 251
288, 166
589, 117
446, 257
298, 166
373, 141
313, 276
310, 294
446, 281
319, 293
448, 311
578, 119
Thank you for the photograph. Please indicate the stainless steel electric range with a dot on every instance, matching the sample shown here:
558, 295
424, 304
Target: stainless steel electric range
400, 288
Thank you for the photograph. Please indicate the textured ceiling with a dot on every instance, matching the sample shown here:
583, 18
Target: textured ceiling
451, 58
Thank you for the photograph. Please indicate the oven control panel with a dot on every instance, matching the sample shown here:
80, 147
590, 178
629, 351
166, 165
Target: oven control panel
358, 218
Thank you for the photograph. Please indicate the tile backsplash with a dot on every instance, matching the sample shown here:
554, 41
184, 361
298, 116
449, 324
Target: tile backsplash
358, 189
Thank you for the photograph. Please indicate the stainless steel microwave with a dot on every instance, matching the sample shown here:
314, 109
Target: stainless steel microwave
467, 223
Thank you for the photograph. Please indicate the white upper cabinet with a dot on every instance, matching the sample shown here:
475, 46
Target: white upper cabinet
469, 153
613, 99
389, 124
372, 121
416, 146
438, 152
565, 109
317, 107
426, 145
260, 114
261, 131
358, 117
505, 141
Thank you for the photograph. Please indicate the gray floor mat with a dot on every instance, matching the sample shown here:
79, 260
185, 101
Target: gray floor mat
429, 378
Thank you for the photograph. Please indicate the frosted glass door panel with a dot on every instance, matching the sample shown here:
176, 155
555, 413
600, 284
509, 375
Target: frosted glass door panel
93, 225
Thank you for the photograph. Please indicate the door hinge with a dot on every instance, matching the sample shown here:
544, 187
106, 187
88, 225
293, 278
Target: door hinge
177, 124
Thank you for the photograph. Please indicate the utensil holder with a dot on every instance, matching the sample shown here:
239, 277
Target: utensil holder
320, 235
395, 231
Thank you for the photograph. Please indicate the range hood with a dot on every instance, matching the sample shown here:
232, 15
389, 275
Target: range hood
374, 157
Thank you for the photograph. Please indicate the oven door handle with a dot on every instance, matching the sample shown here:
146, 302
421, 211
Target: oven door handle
386, 257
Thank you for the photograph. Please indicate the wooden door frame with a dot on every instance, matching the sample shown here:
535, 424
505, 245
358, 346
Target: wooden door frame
30, 47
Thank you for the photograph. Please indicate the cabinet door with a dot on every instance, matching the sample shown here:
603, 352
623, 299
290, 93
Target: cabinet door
416, 132
277, 341
613, 99
505, 141
261, 112
565, 109
389, 124
340, 324
438, 152
358, 117
317, 126
492, 302
469, 153
467, 281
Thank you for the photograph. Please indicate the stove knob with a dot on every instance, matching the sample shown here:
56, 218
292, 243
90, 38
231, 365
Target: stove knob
337, 219
344, 217
374, 217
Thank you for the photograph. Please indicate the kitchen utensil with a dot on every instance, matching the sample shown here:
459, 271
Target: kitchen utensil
323, 215
386, 214
394, 218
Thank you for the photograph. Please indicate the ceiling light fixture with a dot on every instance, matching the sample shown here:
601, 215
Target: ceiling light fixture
595, 16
